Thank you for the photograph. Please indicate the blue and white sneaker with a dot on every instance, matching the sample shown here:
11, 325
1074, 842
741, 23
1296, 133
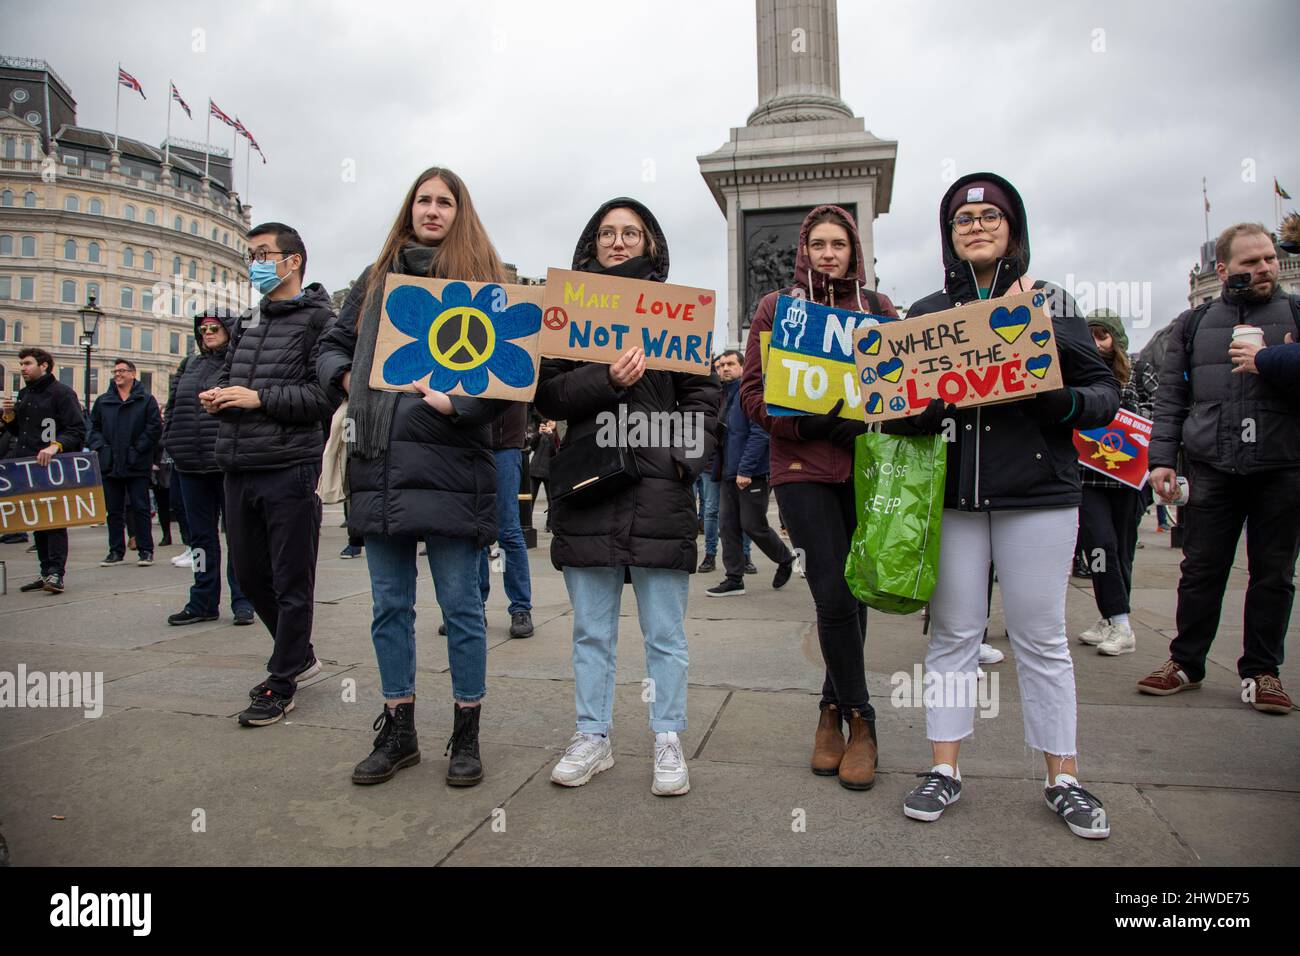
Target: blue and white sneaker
1081, 811
928, 801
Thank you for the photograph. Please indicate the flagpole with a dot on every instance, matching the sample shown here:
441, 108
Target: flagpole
248, 169
234, 149
207, 142
1206, 196
117, 108
167, 144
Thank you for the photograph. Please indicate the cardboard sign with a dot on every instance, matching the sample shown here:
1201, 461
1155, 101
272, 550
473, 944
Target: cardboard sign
996, 350
596, 318
809, 365
462, 338
66, 493
1118, 450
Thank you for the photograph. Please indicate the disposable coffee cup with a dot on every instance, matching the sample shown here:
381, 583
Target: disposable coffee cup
1251, 334
1181, 496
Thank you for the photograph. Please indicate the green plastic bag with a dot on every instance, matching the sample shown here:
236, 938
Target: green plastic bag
894, 556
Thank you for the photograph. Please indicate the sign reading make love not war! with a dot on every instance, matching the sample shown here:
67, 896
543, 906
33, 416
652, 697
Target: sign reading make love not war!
1118, 450
462, 338
809, 364
66, 493
976, 354
596, 318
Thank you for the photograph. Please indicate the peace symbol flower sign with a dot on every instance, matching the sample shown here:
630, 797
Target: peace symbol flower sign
460, 338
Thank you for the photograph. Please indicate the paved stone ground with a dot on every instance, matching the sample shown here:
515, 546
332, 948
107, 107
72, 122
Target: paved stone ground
1199, 778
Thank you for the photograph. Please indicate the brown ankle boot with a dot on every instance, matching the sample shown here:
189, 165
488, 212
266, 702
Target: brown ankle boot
828, 744
858, 767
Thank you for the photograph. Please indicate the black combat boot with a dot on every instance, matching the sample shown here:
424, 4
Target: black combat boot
395, 747
465, 768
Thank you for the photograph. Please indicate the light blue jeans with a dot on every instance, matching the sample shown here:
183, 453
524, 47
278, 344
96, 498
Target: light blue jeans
454, 565
596, 594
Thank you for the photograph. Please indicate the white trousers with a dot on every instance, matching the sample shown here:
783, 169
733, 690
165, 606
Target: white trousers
1032, 551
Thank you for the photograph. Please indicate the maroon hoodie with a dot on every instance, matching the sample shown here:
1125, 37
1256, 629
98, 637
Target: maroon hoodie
792, 459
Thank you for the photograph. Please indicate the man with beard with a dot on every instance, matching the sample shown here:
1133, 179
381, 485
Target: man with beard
1240, 436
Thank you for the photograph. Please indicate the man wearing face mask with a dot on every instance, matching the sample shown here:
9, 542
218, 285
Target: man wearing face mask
273, 412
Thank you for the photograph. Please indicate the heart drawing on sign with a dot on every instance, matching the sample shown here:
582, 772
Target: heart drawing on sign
1009, 324
892, 370
875, 404
1038, 365
705, 299
870, 343
1040, 338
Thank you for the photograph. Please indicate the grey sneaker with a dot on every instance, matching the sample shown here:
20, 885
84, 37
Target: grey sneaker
1081, 811
928, 801
586, 756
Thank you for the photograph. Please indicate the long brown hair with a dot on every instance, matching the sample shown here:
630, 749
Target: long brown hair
465, 253
1118, 362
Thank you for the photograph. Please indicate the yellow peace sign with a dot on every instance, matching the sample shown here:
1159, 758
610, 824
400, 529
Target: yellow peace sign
463, 354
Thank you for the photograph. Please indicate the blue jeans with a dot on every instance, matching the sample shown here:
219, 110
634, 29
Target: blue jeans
202, 495
596, 594
519, 586
708, 492
452, 561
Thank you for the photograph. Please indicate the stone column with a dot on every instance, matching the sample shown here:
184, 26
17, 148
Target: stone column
798, 62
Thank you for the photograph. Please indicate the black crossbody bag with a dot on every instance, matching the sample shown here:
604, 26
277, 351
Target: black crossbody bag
583, 472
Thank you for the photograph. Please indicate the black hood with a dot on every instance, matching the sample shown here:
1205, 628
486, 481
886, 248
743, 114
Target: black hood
227, 318
586, 249
959, 279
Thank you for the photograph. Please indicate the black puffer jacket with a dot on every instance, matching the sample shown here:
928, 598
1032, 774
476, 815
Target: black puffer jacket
274, 353
438, 475
1205, 407
45, 400
1016, 454
190, 433
651, 524
124, 433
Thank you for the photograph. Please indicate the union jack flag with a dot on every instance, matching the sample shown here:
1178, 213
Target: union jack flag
130, 82
216, 111
176, 95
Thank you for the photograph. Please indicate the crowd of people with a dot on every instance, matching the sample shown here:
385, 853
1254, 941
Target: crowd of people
427, 474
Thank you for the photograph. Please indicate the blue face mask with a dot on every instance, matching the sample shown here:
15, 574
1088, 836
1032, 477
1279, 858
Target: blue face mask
263, 276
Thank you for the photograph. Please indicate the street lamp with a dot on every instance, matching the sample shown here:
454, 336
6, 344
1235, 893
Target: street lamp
90, 316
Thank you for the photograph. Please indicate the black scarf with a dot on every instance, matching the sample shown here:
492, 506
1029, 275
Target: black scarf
638, 267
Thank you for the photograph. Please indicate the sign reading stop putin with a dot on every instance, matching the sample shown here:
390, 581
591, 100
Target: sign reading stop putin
462, 338
596, 318
996, 350
66, 493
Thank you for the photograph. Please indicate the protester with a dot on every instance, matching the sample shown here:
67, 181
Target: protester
125, 427
1012, 498
273, 414
545, 442
742, 465
190, 435
506, 442
45, 421
644, 531
1111, 510
1240, 435
811, 460
708, 484
420, 469
168, 507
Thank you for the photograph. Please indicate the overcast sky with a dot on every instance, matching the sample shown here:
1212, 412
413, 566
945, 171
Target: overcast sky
547, 109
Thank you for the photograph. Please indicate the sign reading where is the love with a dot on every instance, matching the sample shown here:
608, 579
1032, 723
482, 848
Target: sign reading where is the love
596, 318
991, 351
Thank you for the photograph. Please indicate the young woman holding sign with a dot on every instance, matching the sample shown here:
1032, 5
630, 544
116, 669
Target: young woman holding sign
1012, 498
419, 470
642, 529
812, 472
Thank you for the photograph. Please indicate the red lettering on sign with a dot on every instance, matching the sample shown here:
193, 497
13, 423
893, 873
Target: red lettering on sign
1010, 380
951, 387
983, 384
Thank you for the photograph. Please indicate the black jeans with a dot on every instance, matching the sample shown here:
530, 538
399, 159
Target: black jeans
821, 519
741, 512
171, 506
1108, 522
52, 550
1220, 504
205, 498
273, 530
119, 495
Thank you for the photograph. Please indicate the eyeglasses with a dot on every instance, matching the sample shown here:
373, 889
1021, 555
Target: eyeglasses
213, 327
631, 236
261, 254
121, 371
966, 222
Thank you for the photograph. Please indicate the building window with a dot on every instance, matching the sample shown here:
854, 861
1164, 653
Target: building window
146, 379
70, 250
214, 233
96, 207
178, 224
128, 297
69, 291
124, 338
189, 345
2, 338
146, 300
18, 331
224, 277
6, 287
150, 217
129, 212
146, 340
7, 197
225, 238
174, 343
72, 204
128, 258
194, 269
27, 288
176, 265
6, 245
27, 149
194, 227
65, 377
94, 381
92, 252
29, 246
29, 200
148, 260
67, 333
214, 274
192, 307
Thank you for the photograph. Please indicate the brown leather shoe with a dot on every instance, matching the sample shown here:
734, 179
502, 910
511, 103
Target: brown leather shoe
1168, 679
1269, 697
858, 768
828, 745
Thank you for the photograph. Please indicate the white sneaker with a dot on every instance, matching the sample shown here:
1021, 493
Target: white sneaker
990, 654
1119, 640
586, 756
184, 560
1095, 634
671, 778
